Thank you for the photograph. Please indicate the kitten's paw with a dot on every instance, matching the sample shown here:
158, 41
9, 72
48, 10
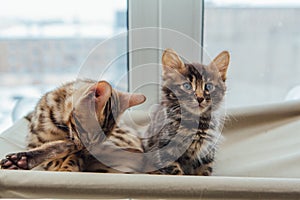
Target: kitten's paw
15, 161
7, 164
173, 169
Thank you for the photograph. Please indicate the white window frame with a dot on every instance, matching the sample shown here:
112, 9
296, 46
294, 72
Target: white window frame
162, 14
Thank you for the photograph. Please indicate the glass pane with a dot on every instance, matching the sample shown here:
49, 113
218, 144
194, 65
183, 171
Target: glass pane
263, 37
44, 43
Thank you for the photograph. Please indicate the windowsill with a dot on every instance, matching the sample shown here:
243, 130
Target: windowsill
35, 184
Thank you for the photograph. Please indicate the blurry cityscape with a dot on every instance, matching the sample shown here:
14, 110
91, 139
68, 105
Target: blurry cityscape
47, 60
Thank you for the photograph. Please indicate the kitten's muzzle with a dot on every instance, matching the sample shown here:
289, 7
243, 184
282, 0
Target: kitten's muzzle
200, 99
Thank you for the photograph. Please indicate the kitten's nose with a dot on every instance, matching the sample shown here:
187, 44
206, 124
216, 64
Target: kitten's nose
200, 99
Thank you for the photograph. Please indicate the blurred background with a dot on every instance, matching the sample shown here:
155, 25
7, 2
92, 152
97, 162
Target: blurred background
44, 43
263, 37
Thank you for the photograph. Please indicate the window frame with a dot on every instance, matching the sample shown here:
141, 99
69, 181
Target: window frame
160, 14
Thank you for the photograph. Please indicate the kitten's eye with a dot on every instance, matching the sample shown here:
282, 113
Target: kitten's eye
187, 86
209, 87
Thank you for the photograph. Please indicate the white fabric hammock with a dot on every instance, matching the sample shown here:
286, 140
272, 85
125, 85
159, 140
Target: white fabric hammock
259, 158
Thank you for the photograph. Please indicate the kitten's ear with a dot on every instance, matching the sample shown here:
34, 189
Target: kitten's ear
222, 62
171, 59
102, 92
128, 100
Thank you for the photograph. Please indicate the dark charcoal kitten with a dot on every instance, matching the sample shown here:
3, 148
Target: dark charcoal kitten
185, 140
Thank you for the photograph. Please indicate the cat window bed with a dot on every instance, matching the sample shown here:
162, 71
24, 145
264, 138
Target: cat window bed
259, 158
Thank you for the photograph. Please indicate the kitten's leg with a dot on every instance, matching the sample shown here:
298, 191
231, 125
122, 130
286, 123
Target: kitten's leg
69, 163
72, 163
205, 170
173, 169
53, 165
206, 167
32, 158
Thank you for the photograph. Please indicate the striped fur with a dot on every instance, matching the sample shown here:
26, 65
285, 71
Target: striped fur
192, 95
71, 120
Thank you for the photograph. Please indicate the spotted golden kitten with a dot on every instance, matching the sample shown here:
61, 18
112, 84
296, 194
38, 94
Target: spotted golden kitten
69, 122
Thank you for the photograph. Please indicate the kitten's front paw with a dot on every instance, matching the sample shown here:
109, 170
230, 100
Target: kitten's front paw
15, 161
173, 169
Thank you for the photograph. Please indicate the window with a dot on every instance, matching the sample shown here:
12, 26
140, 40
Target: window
42, 45
264, 40
51, 43
154, 26
45, 43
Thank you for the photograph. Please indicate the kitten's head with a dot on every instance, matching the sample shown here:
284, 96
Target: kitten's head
97, 106
197, 88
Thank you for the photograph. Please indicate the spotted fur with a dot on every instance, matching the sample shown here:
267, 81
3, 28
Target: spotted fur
185, 131
71, 121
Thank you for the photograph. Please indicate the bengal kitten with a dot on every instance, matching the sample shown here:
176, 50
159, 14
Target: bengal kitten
185, 140
71, 119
